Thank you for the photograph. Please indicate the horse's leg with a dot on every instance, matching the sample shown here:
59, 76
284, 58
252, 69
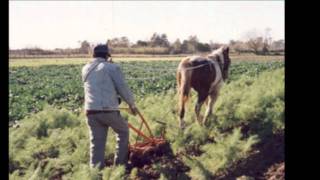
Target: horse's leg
212, 99
183, 97
182, 111
206, 101
201, 99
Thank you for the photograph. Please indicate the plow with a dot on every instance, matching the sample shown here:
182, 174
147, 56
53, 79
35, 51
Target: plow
142, 151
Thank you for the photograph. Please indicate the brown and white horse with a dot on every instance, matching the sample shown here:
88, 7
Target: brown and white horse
205, 75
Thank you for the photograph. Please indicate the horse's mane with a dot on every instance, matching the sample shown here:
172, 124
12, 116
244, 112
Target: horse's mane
215, 53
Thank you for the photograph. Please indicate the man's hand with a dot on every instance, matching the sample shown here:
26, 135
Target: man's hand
133, 109
119, 100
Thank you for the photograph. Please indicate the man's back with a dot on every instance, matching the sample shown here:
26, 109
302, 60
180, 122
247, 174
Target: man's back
103, 82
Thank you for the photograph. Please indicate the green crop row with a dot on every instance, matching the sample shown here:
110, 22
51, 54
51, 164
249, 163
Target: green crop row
30, 88
54, 143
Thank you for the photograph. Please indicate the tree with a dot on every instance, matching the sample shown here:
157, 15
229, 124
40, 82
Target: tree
184, 46
176, 47
237, 46
214, 46
266, 42
259, 43
232, 42
160, 41
203, 47
84, 47
193, 40
188, 47
164, 41
277, 45
113, 42
124, 42
255, 44
155, 40
142, 43
119, 42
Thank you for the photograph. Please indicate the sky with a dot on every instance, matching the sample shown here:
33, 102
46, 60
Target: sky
63, 24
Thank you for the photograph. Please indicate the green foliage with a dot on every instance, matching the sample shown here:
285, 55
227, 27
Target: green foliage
194, 135
53, 141
163, 177
198, 170
85, 172
134, 173
45, 136
254, 101
219, 155
30, 88
114, 173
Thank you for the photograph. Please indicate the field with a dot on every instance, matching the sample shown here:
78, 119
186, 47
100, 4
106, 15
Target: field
244, 137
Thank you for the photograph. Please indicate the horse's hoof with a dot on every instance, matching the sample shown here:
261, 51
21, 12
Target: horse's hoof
182, 125
199, 121
203, 123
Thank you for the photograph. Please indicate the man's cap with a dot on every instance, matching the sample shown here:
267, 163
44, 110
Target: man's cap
101, 48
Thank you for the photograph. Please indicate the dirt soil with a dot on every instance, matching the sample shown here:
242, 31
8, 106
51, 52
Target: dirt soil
276, 172
161, 160
150, 165
171, 166
266, 161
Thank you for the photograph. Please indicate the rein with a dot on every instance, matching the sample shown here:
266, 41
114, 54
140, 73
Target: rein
219, 69
211, 61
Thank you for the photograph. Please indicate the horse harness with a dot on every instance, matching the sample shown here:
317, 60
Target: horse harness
92, 68
218, 81
84, 78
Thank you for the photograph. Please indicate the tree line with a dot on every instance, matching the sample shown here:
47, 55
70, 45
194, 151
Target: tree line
159, 44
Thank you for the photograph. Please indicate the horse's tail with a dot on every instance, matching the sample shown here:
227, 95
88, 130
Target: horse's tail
178, 76
183, 77
184, 85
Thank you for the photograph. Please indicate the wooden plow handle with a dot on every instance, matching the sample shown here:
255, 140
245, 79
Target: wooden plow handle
143, 121
140, 133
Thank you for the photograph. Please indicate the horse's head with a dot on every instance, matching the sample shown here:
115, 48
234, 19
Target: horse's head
221, 55
227, 62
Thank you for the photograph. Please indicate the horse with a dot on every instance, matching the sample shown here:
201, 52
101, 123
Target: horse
205, 74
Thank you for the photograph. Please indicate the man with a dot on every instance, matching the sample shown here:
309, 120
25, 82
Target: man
103, 84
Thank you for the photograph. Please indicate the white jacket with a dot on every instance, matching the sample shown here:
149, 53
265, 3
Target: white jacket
103, 82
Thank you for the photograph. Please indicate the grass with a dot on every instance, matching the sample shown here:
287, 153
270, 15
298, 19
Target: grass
61, 85
54, 142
